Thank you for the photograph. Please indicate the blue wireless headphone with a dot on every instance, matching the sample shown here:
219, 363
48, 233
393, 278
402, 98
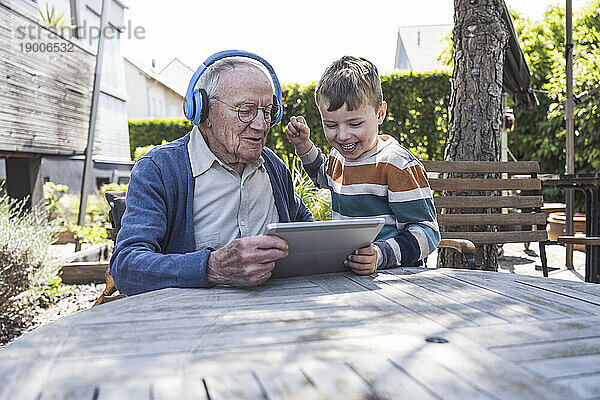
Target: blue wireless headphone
195, 103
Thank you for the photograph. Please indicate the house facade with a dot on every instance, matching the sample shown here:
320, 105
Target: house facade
156, 94
49, 128
418, 47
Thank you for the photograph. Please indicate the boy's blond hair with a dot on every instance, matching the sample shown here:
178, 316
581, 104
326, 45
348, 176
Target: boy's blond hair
351, 80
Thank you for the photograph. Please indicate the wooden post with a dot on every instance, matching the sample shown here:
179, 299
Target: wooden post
570, 127
89, 151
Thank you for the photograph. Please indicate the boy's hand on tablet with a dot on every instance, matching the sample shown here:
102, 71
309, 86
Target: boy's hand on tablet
363, 261
298, 133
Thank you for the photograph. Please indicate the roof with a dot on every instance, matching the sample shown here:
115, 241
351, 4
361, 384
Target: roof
170, 80
419, 47
177, 75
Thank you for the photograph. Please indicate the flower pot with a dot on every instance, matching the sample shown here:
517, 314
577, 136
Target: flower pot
556, 226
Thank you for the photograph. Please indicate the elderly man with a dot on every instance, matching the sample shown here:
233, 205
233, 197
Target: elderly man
196, 207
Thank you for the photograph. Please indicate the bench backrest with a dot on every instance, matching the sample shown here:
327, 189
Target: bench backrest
461, 200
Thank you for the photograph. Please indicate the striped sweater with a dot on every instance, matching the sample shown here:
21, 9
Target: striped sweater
385, 182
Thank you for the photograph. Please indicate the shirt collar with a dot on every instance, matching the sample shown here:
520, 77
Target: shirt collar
201, 158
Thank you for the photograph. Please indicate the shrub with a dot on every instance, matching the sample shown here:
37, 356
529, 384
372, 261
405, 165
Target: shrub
52, 195
143, 132
26, 265
317, 200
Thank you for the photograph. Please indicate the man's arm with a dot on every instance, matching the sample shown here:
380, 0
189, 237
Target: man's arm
416, 221
138, 263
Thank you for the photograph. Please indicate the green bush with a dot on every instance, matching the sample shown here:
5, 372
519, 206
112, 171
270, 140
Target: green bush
52, 196
26, 265
317, 200
143, 132
62, 210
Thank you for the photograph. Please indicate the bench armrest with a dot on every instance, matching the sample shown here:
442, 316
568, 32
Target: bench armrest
463, 246
585, 240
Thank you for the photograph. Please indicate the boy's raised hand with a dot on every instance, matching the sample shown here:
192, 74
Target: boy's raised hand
298, 133
363, 261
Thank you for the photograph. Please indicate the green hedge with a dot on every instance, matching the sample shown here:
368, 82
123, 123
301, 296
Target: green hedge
417, 116
144, 132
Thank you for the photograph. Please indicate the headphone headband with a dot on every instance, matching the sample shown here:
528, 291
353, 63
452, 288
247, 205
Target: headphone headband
195, 103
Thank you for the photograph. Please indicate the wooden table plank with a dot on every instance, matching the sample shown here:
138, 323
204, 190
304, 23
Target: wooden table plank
550, 349
562, 367
587, 386
445, 304
534, 332
334, 378
288, 382
559, 305
479, 298
242, 385
391, 381
71, 393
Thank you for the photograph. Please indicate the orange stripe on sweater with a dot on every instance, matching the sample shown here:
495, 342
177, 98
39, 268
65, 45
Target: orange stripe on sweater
397, 180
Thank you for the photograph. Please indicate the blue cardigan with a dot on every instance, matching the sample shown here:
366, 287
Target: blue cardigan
155, 247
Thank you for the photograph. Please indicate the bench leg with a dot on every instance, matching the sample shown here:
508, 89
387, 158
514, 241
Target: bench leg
544, 259
470, 261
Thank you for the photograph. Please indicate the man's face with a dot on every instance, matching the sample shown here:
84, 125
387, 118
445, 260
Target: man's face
352, 133
235, 142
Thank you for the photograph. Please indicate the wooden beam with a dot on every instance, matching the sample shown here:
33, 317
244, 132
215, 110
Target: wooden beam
492, 219
84, 272
488, 201
498, 237
518, 167
485, 184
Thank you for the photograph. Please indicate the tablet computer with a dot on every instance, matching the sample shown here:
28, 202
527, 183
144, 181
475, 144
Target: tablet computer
321, 247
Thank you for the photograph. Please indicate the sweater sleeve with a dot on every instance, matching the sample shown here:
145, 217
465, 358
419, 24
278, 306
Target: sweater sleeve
416, 222
315, 165
138, 263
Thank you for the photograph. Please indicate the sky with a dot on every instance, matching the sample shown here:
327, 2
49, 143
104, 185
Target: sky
299, 39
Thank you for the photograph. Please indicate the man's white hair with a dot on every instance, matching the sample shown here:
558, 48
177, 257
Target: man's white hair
209, 81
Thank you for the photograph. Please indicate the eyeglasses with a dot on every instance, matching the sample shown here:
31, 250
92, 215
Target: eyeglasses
248, 111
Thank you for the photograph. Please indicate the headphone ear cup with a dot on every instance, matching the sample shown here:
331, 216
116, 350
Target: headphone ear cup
195, 111
275, 111
203, 109
188, 107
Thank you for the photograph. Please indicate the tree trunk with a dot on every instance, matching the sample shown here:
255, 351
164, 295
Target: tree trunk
480, 38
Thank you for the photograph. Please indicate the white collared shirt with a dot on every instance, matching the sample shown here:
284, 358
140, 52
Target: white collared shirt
227, 206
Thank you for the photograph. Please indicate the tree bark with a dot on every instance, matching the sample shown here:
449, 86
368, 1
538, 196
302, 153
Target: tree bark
479, 38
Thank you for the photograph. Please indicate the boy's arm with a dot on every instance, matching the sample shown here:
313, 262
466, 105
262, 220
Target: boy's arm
315, 163
313, 160
416, 220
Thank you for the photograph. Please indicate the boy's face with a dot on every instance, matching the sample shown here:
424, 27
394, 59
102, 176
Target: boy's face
352, 133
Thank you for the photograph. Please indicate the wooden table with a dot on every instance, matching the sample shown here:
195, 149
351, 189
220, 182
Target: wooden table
589, 184
402, 334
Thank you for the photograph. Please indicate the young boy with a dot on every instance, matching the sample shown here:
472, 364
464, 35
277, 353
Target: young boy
368, 175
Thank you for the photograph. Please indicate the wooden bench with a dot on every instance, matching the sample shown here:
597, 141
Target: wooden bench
465, 206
